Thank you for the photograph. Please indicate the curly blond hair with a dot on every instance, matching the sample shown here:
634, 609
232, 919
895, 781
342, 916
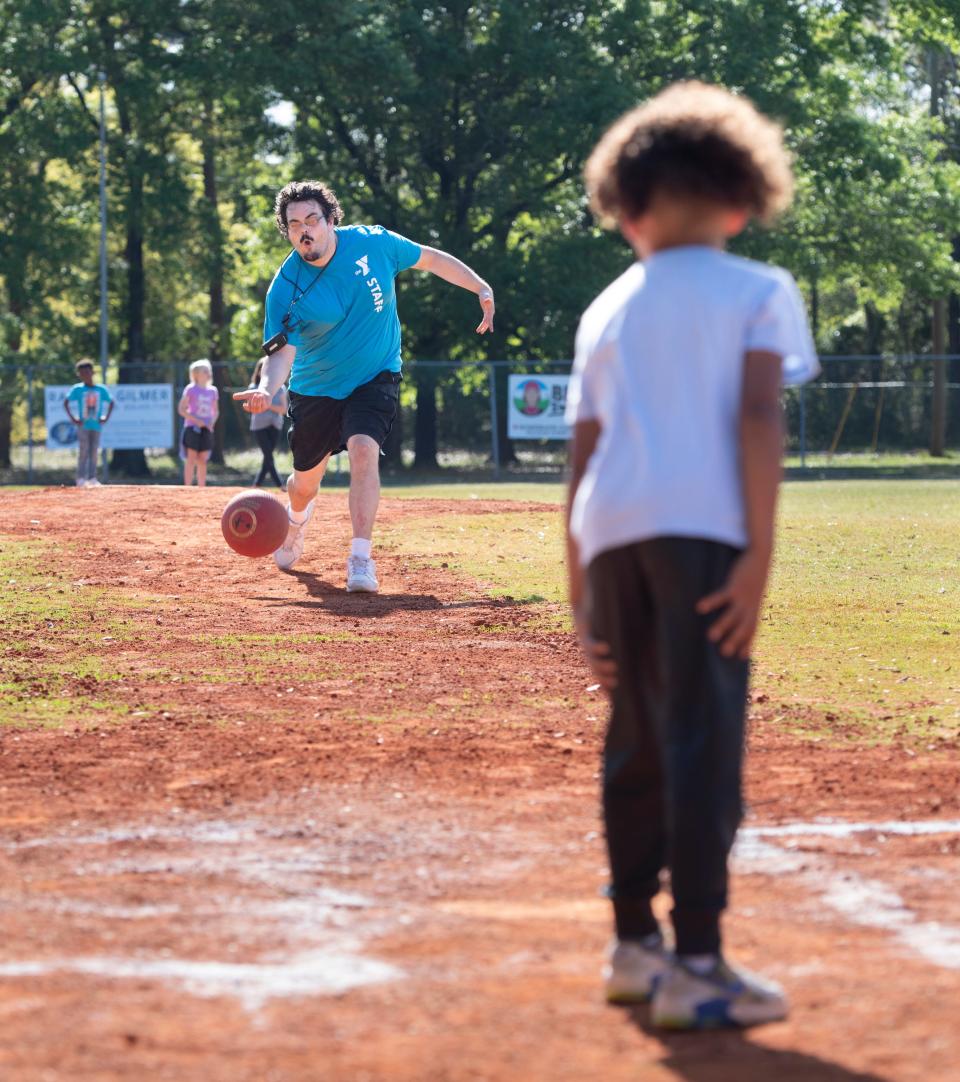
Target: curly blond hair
694, 141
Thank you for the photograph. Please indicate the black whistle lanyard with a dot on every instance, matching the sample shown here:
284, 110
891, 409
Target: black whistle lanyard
296, 285
278, 341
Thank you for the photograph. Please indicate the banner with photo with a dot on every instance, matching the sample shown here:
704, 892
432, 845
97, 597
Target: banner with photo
142, 417
536, 407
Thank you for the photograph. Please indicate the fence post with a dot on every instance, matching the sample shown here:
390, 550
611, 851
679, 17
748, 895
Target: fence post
30, 424
494, 421
803, 428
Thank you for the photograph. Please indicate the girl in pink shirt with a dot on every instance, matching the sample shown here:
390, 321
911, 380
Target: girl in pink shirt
199, 407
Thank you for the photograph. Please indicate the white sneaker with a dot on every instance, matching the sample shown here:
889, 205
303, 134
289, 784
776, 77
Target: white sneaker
634, 969
94, 483
82, 482
723, 996
361, 576
292, 548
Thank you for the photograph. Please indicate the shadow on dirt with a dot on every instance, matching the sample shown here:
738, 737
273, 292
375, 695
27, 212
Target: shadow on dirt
325, 595
731, 1056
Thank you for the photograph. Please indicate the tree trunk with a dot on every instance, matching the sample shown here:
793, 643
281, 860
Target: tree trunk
938, 413
874, 342
508, 450
6, 427
16, 290
425, 422
953, 347
815, 307
133, 461
953, 311
217, 350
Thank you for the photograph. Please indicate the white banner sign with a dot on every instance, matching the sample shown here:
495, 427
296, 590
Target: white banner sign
142, 417
536, 406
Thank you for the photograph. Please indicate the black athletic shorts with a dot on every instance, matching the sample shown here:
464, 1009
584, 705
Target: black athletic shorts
321, 426
197, 439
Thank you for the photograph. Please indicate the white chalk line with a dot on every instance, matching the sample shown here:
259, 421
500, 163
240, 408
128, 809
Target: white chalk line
834, 828
319, 913
329, 923
866, 902
252, 983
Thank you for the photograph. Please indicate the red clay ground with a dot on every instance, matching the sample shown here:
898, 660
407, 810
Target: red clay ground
377, 856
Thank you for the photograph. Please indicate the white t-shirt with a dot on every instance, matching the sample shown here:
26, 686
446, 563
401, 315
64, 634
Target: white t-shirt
659, 364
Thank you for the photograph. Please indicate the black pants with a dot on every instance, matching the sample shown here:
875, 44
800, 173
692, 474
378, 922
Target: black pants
674, 748
267, 441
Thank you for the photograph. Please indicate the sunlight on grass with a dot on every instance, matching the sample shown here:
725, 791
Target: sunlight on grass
49, 626
283, 639
531, 492
859, 638
862, 626
517, 553
862, 617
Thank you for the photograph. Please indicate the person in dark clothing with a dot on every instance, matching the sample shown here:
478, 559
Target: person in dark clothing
266, 428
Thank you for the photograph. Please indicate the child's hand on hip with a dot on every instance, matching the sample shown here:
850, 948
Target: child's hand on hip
598, 654
740, 599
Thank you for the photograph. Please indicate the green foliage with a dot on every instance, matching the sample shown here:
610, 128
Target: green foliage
464, 125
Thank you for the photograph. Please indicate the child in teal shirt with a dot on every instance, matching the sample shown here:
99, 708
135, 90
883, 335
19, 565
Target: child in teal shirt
90, 399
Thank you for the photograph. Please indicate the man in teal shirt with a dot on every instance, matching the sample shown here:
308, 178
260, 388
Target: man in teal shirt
332, 327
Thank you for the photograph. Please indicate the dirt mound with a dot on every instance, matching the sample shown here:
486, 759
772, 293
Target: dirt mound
280, 832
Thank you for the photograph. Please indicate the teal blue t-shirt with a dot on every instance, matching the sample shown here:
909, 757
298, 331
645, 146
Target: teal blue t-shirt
345, 327
90, 403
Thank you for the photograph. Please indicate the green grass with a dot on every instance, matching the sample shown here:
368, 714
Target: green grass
519, 554
877, 463
281, 639
532, 491
47, 628
861, 632
50, 628
862, 625
860, 637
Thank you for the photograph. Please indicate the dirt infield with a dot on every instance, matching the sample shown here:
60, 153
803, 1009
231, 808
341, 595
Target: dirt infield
280, 833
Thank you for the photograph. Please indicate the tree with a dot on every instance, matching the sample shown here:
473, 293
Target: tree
41, 218
464, 125
457, 124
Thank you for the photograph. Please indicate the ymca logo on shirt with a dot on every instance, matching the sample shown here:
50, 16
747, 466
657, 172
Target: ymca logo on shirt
375, 291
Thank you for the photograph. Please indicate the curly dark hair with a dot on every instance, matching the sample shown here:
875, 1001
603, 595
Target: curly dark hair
691, 140
297, 191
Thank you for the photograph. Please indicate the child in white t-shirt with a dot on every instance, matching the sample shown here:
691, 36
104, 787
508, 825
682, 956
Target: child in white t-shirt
677, 440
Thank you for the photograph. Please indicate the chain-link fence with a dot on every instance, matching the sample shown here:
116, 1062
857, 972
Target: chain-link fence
457, 416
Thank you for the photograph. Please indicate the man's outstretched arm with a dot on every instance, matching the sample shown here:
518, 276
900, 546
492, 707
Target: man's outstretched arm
455, 271
273, 375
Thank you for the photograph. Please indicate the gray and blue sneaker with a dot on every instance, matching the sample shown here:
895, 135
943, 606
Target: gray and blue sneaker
723, 996
634, 968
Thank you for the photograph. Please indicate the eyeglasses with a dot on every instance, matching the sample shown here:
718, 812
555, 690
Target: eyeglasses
309, 222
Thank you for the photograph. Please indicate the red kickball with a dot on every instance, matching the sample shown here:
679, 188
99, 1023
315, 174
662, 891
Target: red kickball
254, 523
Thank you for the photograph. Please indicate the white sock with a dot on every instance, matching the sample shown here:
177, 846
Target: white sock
361, 547
701, 964
298, 518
